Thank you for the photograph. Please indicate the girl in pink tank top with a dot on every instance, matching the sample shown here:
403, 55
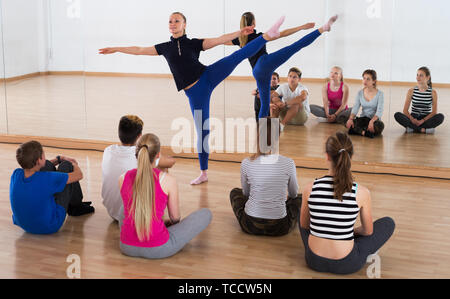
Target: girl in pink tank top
144, 201
159, 233
335, 97
334, 108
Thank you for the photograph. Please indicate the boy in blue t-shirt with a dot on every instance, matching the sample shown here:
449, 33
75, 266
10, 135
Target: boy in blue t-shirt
40, 195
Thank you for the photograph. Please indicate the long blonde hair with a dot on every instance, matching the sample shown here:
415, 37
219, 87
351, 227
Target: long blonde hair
143, 202
247, 19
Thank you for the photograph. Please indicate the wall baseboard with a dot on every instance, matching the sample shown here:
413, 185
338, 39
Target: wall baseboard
232, 78
300, 161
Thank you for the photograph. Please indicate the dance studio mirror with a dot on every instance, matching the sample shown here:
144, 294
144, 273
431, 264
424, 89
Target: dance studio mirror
43, 46
56, 83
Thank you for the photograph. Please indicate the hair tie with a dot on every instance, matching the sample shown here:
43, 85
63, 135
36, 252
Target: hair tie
145, 145
342, 150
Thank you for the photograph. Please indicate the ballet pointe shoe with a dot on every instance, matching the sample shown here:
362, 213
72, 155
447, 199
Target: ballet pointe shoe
202, 178
327, 26
274, 31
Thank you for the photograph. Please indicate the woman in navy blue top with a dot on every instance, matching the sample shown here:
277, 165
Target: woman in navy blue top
197, 80
264, 64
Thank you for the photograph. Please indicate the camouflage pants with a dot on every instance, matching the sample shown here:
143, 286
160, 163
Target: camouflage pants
260, 226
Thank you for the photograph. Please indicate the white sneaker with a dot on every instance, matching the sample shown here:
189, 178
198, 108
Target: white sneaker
429, 131
322, 119
281, 127
409, 130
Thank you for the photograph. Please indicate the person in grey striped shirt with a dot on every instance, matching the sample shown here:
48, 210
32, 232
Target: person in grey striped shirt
329, 210
268, 203
423, 101
371, 100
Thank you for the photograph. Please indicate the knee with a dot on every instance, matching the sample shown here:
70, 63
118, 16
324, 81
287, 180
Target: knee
235, 192
296, 107
206, 215
388, 223
48, 166
65, 166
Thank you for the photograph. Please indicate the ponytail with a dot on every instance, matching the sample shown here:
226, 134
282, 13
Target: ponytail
247, 19
339, 148
143, 203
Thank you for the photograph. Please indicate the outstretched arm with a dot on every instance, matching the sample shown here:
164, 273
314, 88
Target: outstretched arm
130, 50
225, 39
293, 30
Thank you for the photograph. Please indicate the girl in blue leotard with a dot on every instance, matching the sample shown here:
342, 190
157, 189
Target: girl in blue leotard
197, 80
264, 64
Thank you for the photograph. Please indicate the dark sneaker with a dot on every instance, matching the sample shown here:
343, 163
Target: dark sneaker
82, 209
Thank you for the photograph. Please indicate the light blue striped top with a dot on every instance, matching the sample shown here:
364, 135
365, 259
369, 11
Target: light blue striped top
369, 108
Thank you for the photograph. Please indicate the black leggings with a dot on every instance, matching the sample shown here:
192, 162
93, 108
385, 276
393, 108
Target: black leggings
432, 123
72, 195
362, 124
363, 247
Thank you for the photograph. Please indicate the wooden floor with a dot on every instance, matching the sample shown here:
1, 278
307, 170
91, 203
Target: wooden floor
89, 107
419, 248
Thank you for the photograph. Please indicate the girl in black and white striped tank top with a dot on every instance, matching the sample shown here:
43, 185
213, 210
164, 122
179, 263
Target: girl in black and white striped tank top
331, 218
422, 101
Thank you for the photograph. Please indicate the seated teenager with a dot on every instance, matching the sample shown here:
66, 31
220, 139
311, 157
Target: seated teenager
335, 98
41, 195
268, 203
119, 158
330, 206
423, 101
146, 193
371, 100
290, 101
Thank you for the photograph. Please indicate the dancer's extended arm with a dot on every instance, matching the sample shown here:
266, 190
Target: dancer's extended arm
209, 43
130, 50
293, 30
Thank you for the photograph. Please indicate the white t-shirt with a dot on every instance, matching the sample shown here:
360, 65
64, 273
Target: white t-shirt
286, 94
117, 160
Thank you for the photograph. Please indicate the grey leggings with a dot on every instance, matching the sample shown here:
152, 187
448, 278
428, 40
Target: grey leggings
341, 118
363, 247
180, 234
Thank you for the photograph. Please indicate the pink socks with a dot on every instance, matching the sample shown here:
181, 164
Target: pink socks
327, 26
201, 179
274, 31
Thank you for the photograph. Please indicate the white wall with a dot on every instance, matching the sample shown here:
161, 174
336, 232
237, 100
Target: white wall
392, 37
421, 38
141, 23
20, 19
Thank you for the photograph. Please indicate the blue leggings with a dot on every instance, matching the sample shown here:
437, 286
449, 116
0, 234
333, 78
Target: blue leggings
200, 94
267, 64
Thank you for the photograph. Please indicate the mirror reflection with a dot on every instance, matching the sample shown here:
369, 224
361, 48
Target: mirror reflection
366, 76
